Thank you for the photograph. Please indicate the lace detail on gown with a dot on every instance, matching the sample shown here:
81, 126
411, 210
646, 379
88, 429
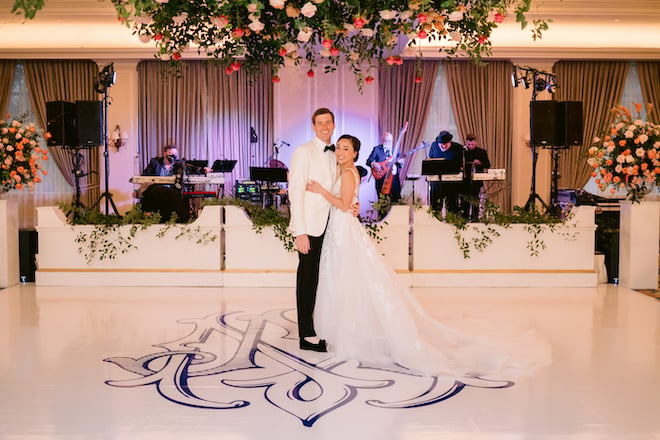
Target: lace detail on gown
365, 314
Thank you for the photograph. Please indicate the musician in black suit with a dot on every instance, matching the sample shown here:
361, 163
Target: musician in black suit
163, 166
380, 154
165, 199
447, 192
477, 158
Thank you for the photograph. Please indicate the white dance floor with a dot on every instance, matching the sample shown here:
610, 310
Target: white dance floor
211, 363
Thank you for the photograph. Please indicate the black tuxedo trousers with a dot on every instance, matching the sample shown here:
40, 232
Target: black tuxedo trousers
307, 282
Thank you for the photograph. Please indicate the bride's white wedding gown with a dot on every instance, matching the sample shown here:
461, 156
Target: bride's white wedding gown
365, 314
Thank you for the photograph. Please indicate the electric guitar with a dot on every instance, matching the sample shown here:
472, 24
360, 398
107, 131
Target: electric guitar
378, 173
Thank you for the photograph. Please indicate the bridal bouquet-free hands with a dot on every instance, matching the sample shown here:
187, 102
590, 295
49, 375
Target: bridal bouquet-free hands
627, 156
20, 154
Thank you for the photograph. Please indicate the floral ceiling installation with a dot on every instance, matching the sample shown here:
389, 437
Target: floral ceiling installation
627, 156
248, 34
20, 155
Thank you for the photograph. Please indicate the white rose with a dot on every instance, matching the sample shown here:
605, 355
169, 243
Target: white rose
456, 36
308, 10
290, 47
305, 34
5, 140
455, 16
256, 26
629, 134
619, 126
19, 136
405, 15
387, 14
145, 38
591, 161
179, 19
5, 130
656, 145
324, 52
252, 7
620, 158
349, 27
277, 4
367, 32
643, 138
638, 122
630, 158
618, 169
610, 148
146, 20
640, 152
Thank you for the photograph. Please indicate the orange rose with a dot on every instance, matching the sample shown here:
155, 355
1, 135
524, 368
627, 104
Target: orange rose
622, 143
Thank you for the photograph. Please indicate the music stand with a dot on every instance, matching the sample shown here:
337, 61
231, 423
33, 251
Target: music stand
268, 175
440, 166
223, 166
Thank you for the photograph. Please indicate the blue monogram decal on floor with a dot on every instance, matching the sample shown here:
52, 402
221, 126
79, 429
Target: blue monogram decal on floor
228, 354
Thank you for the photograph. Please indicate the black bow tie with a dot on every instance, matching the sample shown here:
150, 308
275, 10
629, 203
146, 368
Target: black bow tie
329, 147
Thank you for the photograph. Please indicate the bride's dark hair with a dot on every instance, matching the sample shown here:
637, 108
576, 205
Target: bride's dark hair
355, 142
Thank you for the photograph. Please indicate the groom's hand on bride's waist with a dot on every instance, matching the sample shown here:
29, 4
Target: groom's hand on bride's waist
355, 209
302, 243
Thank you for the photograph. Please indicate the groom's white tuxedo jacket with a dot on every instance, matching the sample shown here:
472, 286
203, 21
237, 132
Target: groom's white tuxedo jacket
309, 211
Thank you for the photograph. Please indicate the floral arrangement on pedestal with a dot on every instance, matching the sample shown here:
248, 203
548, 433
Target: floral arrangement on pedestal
249, 34
627, 156
20, 155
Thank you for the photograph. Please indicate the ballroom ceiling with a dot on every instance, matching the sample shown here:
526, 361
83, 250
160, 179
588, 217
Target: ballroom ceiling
580, 29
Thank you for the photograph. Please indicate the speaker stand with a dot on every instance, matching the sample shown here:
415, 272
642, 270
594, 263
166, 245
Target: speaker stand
530, 205
77, 162
555, 209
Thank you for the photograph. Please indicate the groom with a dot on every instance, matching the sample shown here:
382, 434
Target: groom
314, 160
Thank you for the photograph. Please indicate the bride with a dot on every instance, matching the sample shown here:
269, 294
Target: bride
364, 314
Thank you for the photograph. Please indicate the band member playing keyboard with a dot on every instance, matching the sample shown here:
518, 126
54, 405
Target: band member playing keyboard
447, 192
471, 191
164, 198
379, 159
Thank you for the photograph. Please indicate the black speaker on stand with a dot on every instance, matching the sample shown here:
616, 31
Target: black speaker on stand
542, 133
569, 134
60, 117
89, 123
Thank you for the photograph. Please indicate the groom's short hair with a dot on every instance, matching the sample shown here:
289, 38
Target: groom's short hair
322, 111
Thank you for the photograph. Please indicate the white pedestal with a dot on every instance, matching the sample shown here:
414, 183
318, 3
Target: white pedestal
9, 261
638, 244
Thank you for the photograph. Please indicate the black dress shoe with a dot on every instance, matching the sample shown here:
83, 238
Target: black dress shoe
306, 345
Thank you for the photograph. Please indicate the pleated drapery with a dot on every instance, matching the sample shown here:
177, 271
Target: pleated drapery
7, 68
599, 86
206, 113
649, 80
66, 80
482, 99
401, 99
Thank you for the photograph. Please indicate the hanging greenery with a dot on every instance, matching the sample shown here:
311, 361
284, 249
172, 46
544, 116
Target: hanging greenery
248, 34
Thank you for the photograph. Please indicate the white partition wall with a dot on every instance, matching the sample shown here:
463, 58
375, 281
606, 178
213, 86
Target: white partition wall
9, 260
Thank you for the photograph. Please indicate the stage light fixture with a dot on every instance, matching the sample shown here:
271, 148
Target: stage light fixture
514, 77
525, 80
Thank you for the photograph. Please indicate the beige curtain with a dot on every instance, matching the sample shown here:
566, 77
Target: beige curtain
206, 113
402, 99
481, 97
66, 80
7, 68
649, 79
599, 86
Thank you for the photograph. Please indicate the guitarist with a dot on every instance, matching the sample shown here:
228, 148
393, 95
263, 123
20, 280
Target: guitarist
380, 160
